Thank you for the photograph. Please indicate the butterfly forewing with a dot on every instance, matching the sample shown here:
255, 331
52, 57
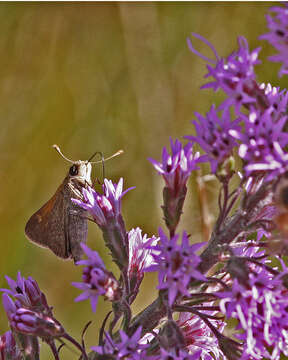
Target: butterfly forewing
47, 227
59, 225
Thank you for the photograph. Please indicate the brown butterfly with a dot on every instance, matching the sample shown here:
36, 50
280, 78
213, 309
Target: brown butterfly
61, 225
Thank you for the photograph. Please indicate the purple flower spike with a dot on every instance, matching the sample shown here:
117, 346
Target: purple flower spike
97, 280
9, 348
176, 265
212, 134
176, 169
234, 74
106, 211
106, 206
139, 257
278, 35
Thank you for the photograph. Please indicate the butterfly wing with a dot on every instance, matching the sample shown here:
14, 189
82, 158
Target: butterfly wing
47, 226
60, 225
76, 229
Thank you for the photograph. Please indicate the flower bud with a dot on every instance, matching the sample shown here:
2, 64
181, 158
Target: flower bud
33, 323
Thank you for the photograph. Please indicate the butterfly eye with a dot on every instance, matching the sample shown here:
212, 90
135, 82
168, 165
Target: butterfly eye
73, 170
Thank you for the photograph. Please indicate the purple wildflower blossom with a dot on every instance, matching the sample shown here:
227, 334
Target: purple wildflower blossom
139, 256
198, 337
9, 348
176, 265
106, 206
278, 35
177, 167
276, 99
96, 279
261, 309
106, 211
127, 348
212, 134
262, 143
234, 74
28, 293
250, 252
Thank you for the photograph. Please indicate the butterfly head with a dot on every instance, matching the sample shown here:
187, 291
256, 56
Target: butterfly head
80, 171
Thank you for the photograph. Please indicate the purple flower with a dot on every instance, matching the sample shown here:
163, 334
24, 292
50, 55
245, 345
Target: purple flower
28, 293
177, 167
234, 74
97, 280
176, 265
260, 306
139, 256
127, 348
212, 134
106, 211
275, 99
278, 35
9, 348
262, 143
106, 206
265, 123
30, 322
198, 337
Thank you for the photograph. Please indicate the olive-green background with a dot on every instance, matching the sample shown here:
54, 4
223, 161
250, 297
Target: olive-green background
102, 76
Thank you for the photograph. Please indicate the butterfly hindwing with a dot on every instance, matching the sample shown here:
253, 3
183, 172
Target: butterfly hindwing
76, 229
47, 227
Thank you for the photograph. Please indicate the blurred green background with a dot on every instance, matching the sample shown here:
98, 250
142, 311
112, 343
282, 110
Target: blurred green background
102, 76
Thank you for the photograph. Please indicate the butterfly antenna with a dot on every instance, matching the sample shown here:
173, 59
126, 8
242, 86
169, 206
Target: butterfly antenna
97, 162
96, 153
119, 152
56, 147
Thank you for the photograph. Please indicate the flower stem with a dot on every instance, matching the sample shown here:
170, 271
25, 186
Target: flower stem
75, 343
54, 350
